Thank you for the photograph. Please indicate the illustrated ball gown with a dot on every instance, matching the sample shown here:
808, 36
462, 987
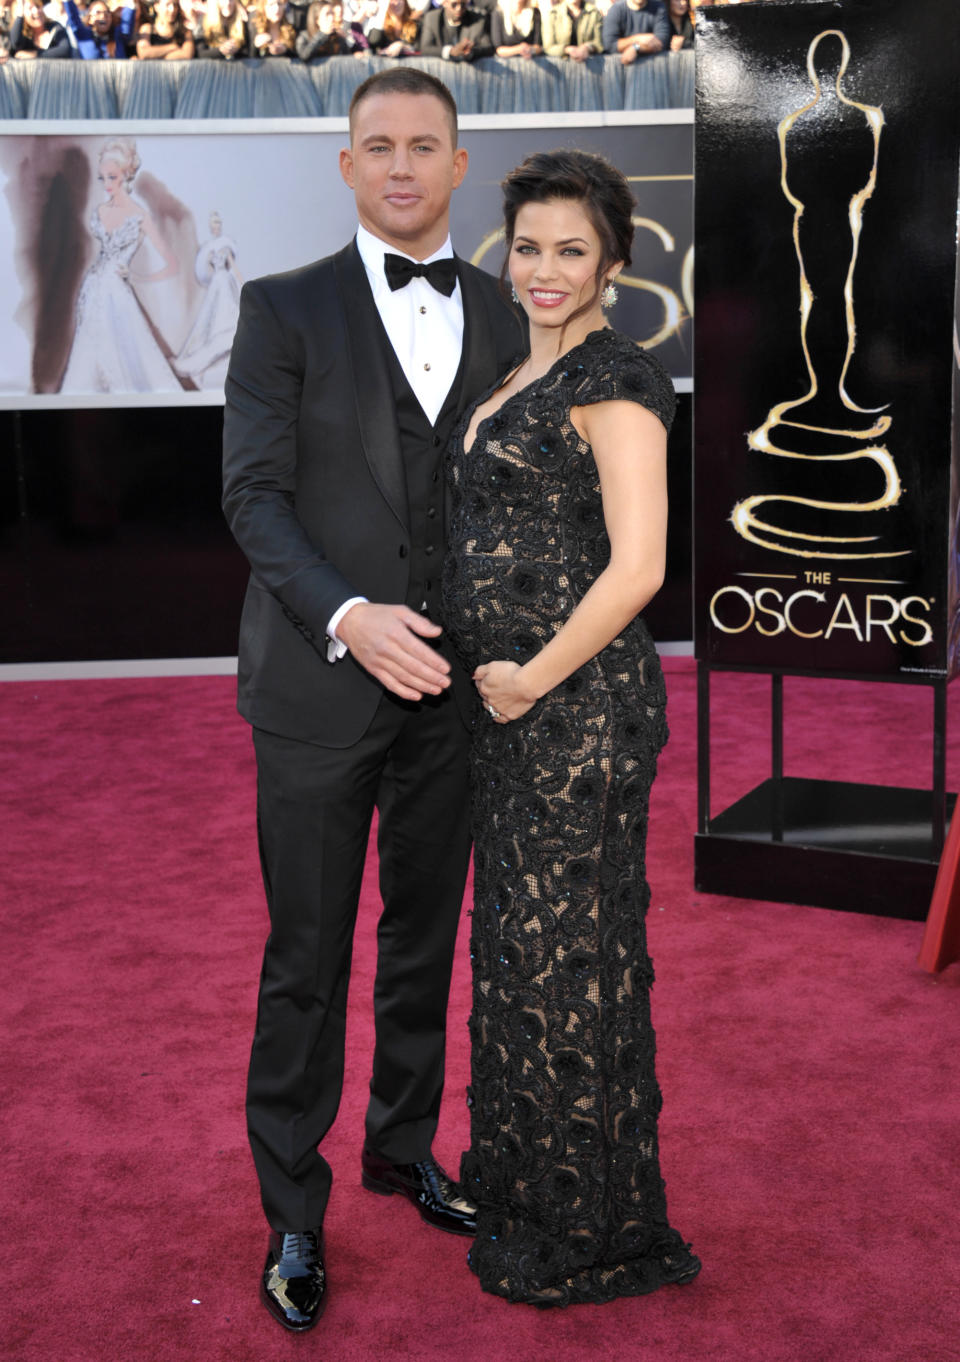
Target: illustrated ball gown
211, 336
114, 347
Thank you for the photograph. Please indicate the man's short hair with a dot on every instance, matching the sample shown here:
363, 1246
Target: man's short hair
406, 80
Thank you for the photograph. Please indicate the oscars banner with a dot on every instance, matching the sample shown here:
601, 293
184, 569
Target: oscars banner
825, 473
130, 244
953, 641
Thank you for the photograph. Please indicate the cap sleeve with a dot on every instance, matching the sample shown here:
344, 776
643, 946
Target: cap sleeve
620, 370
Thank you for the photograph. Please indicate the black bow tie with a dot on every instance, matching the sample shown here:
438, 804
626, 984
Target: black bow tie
440, 274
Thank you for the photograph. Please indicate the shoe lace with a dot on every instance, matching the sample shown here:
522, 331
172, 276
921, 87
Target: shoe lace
430, 1172
299, 1246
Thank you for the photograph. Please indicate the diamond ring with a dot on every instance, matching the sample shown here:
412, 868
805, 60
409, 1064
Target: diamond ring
494, 713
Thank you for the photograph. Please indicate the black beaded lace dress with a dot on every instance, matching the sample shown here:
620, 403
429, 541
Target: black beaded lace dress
563, 1162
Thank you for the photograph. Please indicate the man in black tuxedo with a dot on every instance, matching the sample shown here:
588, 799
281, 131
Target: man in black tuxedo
345, 380
456, 32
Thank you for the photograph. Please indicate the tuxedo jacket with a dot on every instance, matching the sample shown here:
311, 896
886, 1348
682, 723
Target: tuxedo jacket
313, 479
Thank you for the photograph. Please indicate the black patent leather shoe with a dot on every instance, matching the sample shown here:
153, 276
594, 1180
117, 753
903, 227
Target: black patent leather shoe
294, 1282
438, 1199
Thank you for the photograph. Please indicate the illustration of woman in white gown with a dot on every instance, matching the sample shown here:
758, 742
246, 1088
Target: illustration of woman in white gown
114, 346
204, 354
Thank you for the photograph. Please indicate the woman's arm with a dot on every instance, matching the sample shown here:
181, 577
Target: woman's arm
520, 46
384, 46
590, 31
630, 448
75, 24
125, 20
309, 47
148, 51
181, 51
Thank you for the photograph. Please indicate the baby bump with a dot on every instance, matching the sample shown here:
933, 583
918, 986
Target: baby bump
500, 607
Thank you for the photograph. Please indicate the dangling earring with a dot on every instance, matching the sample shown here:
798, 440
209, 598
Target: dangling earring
609, 295
514, 294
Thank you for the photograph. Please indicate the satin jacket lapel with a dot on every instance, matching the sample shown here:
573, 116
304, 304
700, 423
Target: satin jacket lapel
372, 389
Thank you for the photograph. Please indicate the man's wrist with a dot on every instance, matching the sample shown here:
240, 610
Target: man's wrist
339, 646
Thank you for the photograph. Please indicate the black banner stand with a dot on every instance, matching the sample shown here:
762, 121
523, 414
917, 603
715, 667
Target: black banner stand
826, 531
829, 844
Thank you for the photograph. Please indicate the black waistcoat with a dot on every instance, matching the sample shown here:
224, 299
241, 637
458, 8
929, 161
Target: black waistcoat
422, 445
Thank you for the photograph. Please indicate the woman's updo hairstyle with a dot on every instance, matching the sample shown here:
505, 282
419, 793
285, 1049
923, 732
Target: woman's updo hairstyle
123, 152
581, 177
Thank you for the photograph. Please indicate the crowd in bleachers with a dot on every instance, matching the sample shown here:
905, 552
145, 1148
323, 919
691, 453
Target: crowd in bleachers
452, 30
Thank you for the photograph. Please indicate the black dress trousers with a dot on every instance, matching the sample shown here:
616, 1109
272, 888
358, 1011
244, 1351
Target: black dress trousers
315, 806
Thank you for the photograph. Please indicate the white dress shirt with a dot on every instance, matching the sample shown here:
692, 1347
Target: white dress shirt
425, 329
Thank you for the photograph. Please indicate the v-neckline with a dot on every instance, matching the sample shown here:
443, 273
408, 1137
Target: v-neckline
597, 331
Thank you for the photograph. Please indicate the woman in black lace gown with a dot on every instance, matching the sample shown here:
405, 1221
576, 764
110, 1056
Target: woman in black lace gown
557, 541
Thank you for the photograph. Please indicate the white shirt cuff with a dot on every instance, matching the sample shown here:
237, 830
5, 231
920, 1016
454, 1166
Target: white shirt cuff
336, 648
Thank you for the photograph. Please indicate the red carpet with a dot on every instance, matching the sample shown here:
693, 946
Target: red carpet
811, 1069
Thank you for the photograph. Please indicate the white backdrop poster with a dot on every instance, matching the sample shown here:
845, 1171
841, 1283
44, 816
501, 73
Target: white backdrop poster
129, 243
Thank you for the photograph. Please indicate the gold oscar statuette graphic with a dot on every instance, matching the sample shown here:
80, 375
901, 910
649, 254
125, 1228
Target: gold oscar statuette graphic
825, 427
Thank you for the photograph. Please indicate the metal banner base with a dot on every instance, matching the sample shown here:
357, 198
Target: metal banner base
826, 844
